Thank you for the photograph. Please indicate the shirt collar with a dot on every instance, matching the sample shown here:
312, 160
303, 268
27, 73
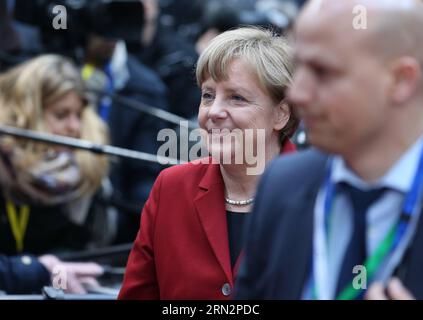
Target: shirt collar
399, 177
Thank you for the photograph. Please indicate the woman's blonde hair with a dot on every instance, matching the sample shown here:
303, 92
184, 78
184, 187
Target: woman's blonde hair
24, 93
268, 56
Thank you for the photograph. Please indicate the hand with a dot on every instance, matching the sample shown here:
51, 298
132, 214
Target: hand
395, 290
77, 275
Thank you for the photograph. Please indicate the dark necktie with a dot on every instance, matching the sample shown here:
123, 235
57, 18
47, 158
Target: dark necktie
356, 250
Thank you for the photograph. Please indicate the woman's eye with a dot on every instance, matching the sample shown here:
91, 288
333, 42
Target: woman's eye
320, 72
60, 115
238, 98
207, 97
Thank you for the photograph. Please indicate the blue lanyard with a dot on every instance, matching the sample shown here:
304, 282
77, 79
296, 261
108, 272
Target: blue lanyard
105, 102
400, 229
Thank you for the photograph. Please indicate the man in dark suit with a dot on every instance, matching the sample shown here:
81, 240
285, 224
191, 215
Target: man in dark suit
344, 222
129, 128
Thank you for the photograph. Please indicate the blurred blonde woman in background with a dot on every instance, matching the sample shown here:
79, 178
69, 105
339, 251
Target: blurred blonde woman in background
46, 190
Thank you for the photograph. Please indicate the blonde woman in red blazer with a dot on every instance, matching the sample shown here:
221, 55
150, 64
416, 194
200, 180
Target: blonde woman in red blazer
190, 238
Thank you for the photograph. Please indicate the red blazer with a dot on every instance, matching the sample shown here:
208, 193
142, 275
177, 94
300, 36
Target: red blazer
182, 249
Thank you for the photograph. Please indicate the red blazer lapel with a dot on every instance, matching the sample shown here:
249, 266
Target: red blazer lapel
210, 207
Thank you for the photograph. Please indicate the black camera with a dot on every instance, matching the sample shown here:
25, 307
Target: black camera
65, 24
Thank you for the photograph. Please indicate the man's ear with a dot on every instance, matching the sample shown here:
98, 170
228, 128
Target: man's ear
281, 115
406, 74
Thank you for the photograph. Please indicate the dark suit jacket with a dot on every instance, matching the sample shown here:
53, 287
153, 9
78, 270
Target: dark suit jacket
49, 230
182, 248
131, 129
278, 251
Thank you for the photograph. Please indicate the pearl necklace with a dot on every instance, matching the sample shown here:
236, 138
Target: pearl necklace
239, 202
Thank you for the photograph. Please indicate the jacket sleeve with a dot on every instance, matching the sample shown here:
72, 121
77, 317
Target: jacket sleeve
22, 275
140, 281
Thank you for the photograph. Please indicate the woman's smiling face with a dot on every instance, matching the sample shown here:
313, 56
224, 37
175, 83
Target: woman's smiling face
233, 105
